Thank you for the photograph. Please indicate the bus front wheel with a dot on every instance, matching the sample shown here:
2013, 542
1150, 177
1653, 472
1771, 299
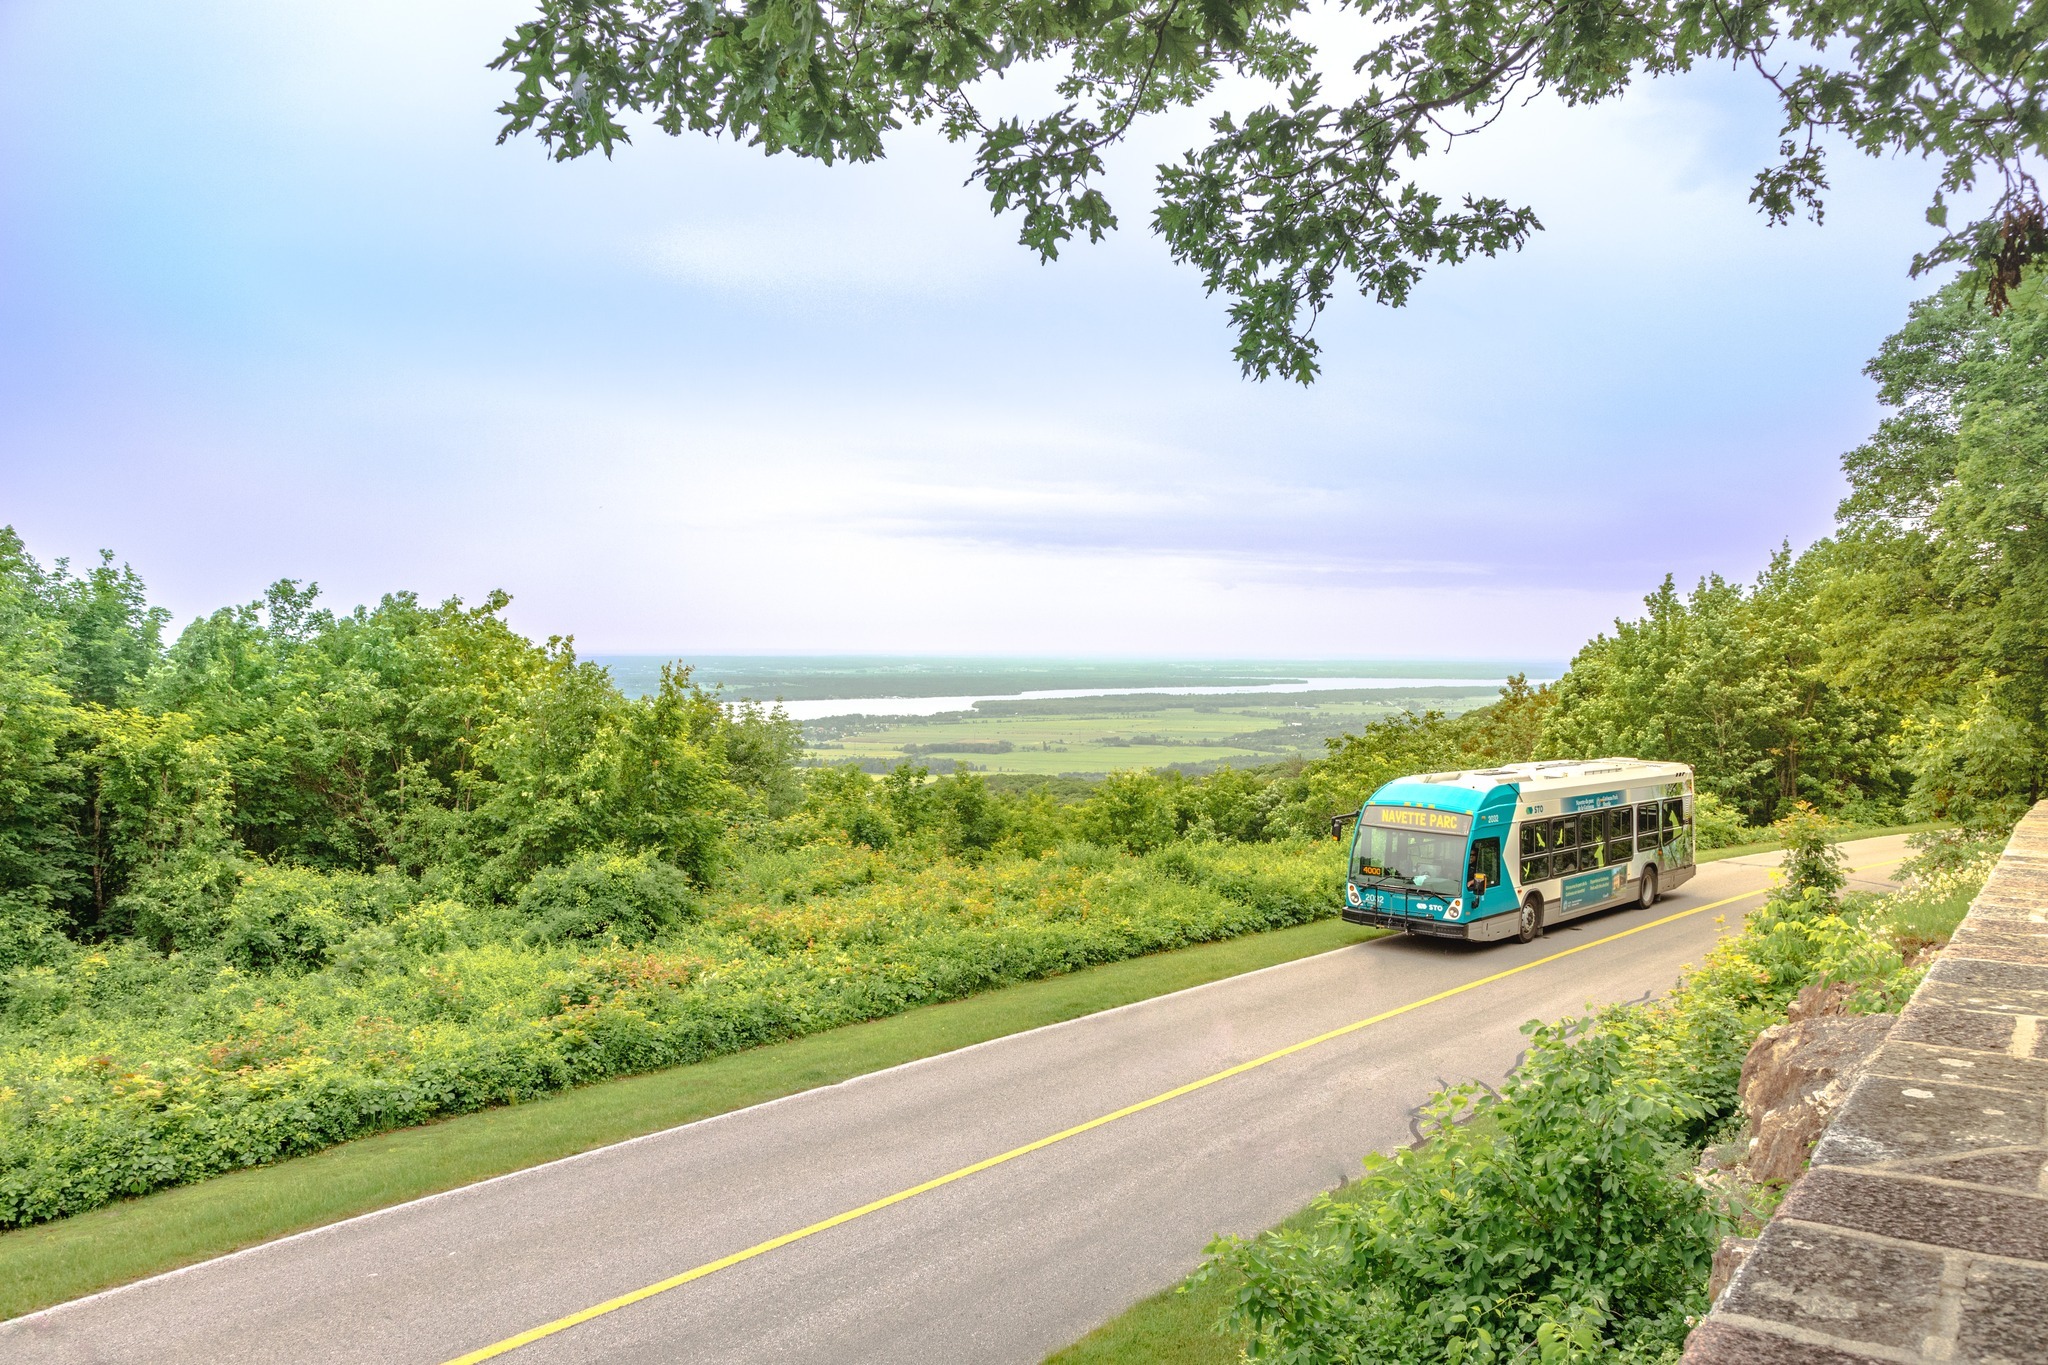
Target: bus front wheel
1532, 919
1646, 893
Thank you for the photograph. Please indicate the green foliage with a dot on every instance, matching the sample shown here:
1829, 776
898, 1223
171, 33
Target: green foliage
599, 896
1812, 864
334, 1005
1719, 824
1937, 602
1734, 682
1303, 193
1523, 1227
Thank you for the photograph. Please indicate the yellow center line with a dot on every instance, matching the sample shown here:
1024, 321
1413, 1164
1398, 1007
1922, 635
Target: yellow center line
563, 1324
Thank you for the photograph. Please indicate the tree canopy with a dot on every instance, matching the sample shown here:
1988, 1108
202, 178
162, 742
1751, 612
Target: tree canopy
1307, 193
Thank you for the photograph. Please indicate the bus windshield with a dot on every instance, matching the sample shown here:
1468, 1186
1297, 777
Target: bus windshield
1423, 859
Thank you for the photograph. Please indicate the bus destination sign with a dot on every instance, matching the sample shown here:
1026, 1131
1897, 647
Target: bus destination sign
1417, 818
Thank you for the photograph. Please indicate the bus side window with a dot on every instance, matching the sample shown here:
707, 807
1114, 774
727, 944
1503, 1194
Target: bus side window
1485, 863
1535, 856
1621, 834
1563, 834
1592, 833
1647, 833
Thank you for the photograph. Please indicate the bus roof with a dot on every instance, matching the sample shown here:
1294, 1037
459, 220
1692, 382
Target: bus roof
1464, 789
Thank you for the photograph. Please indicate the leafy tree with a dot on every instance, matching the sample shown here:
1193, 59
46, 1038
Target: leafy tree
1937, 600
156, 811
1131, 810
1509, 730
1297, 197
40, 869
1732, 681
111, 634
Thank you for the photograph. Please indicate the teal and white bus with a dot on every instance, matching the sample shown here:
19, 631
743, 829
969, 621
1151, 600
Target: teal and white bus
1502, 852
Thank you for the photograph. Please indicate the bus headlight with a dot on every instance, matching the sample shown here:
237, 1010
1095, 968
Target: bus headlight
1455, 908
1351, 894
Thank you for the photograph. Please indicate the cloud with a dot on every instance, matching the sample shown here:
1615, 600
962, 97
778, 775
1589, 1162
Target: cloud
799, 261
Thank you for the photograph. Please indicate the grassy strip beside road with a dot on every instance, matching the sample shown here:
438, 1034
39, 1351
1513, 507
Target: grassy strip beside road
1840, 835
122, 1242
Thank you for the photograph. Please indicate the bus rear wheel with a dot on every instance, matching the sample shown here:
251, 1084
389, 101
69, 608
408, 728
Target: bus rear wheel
1531, 923
1646, 893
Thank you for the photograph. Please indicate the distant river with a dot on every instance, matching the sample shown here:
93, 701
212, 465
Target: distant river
932, 706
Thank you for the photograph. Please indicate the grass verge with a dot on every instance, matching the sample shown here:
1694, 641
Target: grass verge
1714, 855
50, 1263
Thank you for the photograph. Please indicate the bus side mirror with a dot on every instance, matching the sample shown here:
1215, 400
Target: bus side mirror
1337, 823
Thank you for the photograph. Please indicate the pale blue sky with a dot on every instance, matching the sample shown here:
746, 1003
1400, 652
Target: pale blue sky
273, 303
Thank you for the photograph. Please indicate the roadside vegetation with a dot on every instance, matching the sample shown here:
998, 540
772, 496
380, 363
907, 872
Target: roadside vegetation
1564, 1218
131, 1238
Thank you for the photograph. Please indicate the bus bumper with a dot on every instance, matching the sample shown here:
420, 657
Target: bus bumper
1487, 930
1411, 924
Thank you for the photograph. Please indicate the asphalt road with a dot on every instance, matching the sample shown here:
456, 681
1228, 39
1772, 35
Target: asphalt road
1000, 1265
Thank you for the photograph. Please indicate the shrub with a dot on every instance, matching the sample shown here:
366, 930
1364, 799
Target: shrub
1717, 823
1540, 1218
627, 897
1812, 860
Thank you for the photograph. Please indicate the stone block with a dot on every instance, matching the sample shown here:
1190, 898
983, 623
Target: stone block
1719, 1342
1886, 1119
1910, 1061
1976, 939
2024, 1168
1816, 1280
1967, 971
1921, 1022
2003, 1316
1991, 999
1962, 1217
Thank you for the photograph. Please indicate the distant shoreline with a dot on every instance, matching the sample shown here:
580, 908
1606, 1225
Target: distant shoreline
872, 679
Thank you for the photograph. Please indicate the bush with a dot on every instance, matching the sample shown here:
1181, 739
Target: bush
1812, 861
1545, 1217
630, 898
1718, 824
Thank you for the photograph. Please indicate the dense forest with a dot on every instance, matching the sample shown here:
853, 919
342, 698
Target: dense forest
298, 875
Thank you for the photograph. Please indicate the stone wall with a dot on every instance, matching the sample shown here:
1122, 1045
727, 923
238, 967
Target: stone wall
1920, 1231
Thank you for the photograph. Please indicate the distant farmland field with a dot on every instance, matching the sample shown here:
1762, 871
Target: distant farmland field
1089, 736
